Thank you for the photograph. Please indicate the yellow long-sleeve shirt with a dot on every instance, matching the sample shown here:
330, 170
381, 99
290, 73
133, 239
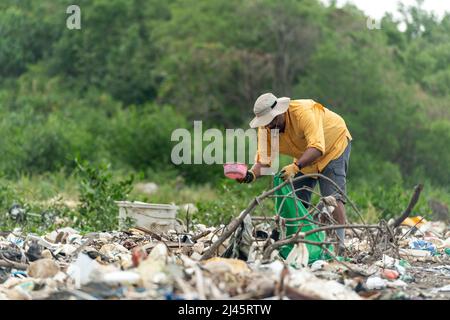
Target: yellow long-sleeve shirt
308, 124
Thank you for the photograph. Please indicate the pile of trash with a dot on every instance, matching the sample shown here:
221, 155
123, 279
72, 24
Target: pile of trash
141, 264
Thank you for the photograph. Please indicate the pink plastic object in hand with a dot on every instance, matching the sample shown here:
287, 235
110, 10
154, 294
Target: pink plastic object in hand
235, 170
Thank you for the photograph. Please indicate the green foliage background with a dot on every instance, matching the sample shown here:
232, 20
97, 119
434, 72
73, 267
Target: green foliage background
114, 91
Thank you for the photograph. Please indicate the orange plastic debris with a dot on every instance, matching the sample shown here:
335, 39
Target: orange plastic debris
414, 221
390, 274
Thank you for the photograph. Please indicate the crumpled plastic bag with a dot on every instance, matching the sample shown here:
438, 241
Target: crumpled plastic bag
241, 241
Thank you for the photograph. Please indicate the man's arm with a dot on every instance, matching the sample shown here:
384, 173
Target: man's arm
256, 168
309, 156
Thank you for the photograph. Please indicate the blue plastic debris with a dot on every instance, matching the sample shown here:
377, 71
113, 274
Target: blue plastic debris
173, 296
19, 274
423, 245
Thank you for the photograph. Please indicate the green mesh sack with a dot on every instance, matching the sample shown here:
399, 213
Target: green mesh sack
285, 207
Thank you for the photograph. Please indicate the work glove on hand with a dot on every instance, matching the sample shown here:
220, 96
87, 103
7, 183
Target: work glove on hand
289, 171
249, 177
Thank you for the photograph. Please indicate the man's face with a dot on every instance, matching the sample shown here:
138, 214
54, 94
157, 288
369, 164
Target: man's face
277, 123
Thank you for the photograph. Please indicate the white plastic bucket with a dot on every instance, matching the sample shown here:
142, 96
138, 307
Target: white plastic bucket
151, 216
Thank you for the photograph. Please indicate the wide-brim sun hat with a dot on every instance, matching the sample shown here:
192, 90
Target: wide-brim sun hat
266, 108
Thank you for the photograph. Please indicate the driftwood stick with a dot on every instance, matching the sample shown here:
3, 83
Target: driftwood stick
411, 228
294, 196
201, 235
343, 226
151, 233
12, 264
258, 218
299, 237
417, 190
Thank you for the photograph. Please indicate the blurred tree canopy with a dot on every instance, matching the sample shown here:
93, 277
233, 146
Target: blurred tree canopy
138, 69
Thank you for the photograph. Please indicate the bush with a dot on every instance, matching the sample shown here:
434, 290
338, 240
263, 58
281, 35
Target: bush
388, 201
47, 147
433, 156
140, 137
98, 191
364, 167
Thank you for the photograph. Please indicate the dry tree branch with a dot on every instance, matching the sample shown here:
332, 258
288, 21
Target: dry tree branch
415, 197
201, 235
300, 237
11, 264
